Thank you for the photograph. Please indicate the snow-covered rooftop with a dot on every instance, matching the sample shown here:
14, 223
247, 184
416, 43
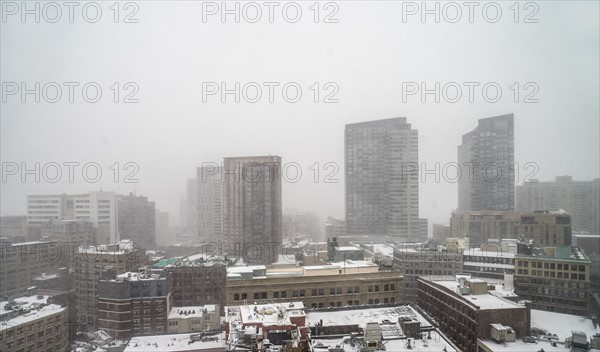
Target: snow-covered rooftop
436, 343
520, 346
191, 311
266, 314
124, 246
483, 301
174, 343
362, 316
562, 324
34, 307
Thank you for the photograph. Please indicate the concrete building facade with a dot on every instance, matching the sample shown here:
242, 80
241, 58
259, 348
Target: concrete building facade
382, 180
252, 213
555, 279
321, 286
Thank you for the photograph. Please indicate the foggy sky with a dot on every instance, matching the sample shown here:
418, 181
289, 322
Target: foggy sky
368, 54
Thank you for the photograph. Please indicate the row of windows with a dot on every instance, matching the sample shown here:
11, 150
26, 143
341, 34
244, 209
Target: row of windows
553, 266
315, 292
552, 274
354, 302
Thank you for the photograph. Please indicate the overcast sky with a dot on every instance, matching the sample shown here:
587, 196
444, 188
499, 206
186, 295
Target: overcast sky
367, 55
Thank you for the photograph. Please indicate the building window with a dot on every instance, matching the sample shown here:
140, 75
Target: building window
294, 293
392, 287
370, 288
321, 292
314, 292
338, 290
356, 289
283, 294
350, 289
332, 291
276, 294
236, 296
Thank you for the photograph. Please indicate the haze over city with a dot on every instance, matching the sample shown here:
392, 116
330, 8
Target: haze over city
368, 54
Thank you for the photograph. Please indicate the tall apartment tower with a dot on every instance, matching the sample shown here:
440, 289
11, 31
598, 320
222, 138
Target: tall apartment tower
252, 209
209, 207
486, 157
137, 220
382, 185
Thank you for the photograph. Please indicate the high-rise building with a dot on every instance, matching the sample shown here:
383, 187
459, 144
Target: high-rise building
486, 157
99, 208
581, 199
209, 204
252, 209
382, 185
137, 220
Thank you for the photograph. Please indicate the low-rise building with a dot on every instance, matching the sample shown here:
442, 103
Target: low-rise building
89, 262
338, 284
133, 303
23, 261
490, 261
555, 279
543, 227
414, 260
192, 342
198, 283
193, 319
465, 311
31, 324
392, 328
258, 326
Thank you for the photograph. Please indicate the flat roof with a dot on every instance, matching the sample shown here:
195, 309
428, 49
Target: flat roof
521, 346
172, 343
437, 343
363, 315
484, 301
264, 314
192, 311
31, 302
562, 324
